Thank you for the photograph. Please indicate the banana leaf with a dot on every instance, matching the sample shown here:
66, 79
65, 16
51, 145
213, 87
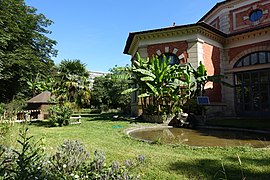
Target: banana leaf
130, 90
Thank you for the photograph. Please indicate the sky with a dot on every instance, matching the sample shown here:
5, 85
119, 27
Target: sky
95, 31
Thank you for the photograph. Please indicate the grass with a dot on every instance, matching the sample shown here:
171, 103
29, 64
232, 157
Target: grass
162, 161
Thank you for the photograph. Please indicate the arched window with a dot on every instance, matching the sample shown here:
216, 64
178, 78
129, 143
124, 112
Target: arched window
173, 58
256, 15
252, 87
261, 57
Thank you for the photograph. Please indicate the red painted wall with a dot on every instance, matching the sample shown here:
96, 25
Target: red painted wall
211, 59
233, 52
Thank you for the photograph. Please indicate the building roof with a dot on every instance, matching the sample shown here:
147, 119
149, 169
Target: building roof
214, 8
199, 24
43, 97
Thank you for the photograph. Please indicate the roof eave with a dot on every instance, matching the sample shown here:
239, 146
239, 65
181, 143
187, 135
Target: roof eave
133, 34
199, 24
213, 9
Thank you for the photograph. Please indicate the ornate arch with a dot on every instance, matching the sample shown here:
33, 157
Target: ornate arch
246, 52
255, 58
178, 48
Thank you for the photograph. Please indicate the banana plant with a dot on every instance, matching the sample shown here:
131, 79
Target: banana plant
153, 77
160, 83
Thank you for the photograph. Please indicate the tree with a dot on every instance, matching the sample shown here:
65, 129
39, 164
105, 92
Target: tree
120, 81
25, 50
100, 92
72, 83
107, 90
40, 84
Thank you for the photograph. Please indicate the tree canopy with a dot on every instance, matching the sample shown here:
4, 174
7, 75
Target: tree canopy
72, 83
107, 90
25, 48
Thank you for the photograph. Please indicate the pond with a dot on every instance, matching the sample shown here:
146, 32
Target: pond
202, 137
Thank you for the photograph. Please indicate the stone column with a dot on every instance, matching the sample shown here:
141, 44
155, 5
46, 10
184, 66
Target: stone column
195, 52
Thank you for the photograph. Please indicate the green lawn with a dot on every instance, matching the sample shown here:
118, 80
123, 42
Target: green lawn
162, 161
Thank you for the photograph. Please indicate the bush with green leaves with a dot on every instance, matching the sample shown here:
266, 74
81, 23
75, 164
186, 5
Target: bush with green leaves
24, 162
59, 115
2, 109
106, 92
8, 114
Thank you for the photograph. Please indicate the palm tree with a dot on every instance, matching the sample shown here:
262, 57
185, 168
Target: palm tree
73, 83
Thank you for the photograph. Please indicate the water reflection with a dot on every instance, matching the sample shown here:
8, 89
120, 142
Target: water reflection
203, 137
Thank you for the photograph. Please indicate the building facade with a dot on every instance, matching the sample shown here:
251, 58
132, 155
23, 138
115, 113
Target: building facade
93, 75
232, 39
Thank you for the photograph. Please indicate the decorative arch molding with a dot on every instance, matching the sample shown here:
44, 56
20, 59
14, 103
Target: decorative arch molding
179, 49
246, 52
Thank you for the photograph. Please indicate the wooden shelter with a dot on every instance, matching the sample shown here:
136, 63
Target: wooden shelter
38, 106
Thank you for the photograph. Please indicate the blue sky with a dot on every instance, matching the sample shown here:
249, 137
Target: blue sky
95, 31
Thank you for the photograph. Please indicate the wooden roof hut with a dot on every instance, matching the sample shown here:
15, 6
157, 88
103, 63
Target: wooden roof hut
39, 105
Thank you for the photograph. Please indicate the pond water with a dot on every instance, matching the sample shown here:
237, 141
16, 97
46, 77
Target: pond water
203, 137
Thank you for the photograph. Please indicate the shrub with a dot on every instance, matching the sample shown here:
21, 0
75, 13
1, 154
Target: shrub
4, 128
98, 169
69, 158
104, 108
95, 111
59, 115
2, 109
25, 162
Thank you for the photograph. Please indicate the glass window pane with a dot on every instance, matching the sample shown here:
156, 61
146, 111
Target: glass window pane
255, 77
256, 96
246, 94
173, 58
246, 61
264, 77
262, 57
254, 58
246, 79
239, 107
265, 108
238, 79
239, 64
265, 97
239, 98
256, 15
247, 107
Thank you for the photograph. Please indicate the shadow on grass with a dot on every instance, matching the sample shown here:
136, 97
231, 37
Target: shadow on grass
112, 117
40, 123
217, 169
93, 117
259, 161
100, 117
